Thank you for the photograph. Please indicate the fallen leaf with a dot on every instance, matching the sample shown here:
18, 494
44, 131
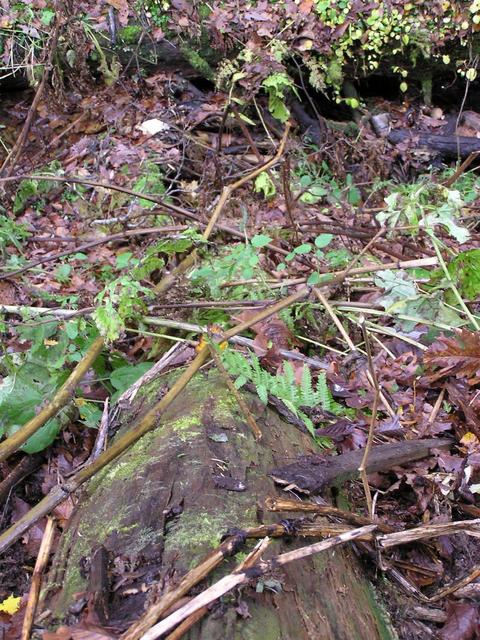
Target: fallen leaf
458, 356
10, 605
462, 622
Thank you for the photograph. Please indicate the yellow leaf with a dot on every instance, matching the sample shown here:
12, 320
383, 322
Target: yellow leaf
11, 605
469, 438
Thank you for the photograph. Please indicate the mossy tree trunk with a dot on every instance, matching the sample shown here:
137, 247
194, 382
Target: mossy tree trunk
158, 510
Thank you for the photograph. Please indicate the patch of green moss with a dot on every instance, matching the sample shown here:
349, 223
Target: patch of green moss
130, 34
198, 62
384, 626
196, 533
269, 629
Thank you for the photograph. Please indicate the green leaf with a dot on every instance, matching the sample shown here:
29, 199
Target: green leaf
43, 438
303, 249
265, 185
465, 271
20, 396
338, 257
397, 286
426, 308
314, 194
323, 240
90, 413
313, 279
71, 329
260, 241
46, 16
62, 272
123, 259
123, 377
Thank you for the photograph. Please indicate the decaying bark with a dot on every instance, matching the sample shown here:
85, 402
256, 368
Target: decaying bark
156, 511
446, 146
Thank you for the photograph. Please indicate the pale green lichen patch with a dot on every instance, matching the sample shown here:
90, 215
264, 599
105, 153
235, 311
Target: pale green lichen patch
198, 532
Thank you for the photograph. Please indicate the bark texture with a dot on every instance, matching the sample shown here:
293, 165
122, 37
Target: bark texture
158, 509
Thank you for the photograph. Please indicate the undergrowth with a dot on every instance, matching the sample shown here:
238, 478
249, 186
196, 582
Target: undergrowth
284, 386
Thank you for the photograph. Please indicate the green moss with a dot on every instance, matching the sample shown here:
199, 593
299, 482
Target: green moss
196, 533
197, 62
130, 34
183, 427
384, 626
269, 629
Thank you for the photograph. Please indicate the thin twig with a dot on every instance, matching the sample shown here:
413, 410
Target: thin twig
373, 421
461, 169
240, 401
101, 439
88, 245
436, 407
459, 584
470, 527
283, 504
335, 319
40, 564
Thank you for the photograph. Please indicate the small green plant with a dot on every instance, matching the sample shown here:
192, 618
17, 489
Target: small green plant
315, 182
119, 302
240, 261
284, 386
32, 376
11, 234
32, 190
425, 205
276, 86
334, 258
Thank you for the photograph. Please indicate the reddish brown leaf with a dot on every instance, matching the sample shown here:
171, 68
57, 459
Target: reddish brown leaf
462, 623
458, 356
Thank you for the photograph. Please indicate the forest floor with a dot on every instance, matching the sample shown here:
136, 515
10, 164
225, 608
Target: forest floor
131, 176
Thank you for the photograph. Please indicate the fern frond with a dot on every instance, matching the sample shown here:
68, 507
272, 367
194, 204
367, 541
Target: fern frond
323, 395
308, 398
282, 385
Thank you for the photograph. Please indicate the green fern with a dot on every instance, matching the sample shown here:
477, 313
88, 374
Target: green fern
283, 386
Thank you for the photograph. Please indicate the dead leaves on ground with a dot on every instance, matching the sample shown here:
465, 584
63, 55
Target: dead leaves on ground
458, 356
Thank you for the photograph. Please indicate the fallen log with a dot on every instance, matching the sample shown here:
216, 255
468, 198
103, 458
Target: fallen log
448, 146
313, 474
157, 510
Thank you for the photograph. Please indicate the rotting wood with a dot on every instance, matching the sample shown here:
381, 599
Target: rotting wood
233, 580
450, 146
313, 474
157, 504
